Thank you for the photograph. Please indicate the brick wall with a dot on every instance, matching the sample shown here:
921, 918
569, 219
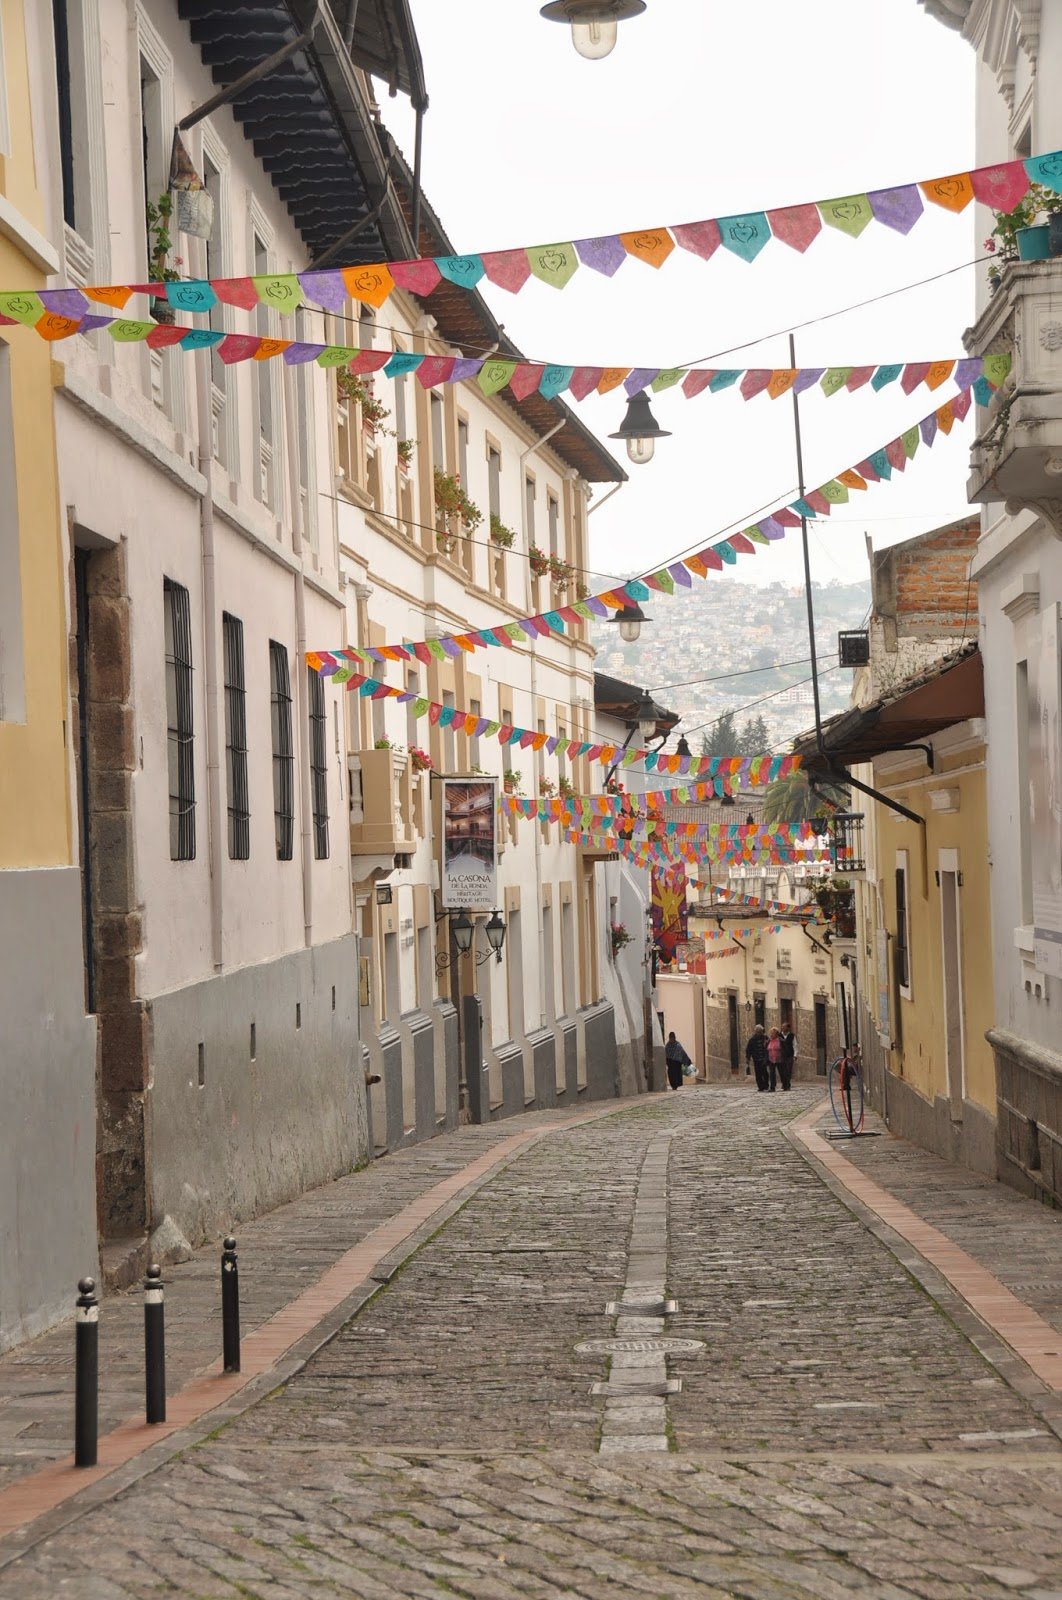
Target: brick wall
921, 586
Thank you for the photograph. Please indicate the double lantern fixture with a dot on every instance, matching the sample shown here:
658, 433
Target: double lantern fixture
594, 23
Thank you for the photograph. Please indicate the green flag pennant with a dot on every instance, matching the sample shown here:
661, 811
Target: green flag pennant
668, 378
281, 290
514, 631
491, 729
22, 304
336, 355
435, 649
995, 368
850, 213
835, 378
582, 608
629, 758
125, 331
756, 534
683, 794
495, 375
553, 263
910, 441
665, 580
834, 492
420, 706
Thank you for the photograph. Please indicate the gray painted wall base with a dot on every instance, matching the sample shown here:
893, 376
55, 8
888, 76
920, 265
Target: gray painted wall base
255, 1133
602, 1059
1029, 1103
447, 1065
970, 1143
511, 1061
543, 1048
48, 1093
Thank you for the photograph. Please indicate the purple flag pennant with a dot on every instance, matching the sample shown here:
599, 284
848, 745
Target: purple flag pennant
598, 607
604, 255
681, 574
771, 528
806, 377
65, 302
451, 648
90, 324
928, 429
968, 371
898, 209
465, 367
325, 288
299, 352
639, 378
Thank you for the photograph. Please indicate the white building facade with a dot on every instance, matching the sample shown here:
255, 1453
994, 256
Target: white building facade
1015, 476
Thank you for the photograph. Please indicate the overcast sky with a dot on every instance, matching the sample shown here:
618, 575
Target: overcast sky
702, 110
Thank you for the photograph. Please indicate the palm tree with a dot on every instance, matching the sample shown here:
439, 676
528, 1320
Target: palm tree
791, 799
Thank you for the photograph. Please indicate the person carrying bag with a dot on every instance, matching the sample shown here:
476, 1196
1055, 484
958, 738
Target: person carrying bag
676, 1058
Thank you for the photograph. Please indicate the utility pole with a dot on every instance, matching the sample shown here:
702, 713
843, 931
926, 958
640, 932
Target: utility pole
807, 556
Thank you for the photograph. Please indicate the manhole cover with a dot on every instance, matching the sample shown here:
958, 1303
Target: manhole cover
636, 1347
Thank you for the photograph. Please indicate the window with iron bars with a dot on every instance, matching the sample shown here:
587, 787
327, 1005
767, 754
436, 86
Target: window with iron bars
236, 739
179, 727
318, 764
283, 751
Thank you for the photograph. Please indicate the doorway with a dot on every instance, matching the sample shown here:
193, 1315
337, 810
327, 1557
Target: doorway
820, 1038
732, 1019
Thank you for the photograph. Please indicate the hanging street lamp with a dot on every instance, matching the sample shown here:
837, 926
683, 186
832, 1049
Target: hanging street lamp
629, 619
640, 429
594, 23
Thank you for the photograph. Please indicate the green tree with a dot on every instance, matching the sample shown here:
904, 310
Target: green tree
754, 739
721, 739
791, 799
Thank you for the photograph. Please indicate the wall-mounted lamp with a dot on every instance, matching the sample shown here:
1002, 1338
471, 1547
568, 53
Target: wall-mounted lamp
594, 23
463, 932
384, 895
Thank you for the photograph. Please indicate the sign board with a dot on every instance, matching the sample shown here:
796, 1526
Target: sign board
1045, 796
469, 863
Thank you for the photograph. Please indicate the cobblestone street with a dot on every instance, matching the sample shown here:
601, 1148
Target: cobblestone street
830, 1431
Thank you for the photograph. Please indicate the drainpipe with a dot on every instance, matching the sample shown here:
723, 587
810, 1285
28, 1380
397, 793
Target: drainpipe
205, 425
534, 692
302, 692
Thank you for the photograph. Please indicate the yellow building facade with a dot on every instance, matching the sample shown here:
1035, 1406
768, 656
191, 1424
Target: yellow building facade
47, 1064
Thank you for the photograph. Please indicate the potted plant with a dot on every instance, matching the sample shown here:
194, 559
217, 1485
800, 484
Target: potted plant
546, 787
511, 780
446, 542
620, 937
406, 448
499, 533
373, 411
539, 561
565, 788
160, 244
613, 786
383, 743
453, 508
1024, 233
561, 572
420, 759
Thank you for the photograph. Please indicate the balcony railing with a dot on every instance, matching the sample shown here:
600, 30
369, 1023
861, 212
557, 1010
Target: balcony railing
1017, 454
382, 812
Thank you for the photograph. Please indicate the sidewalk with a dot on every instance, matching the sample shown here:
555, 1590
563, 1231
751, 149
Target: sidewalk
283, 1256
991, 1257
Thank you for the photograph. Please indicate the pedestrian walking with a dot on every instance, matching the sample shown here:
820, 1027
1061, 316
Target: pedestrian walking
789, 1050
775, 1054
756, 1055
676, 1059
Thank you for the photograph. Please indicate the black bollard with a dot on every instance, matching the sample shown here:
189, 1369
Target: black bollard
230, 1307
86, 1374
154, 1346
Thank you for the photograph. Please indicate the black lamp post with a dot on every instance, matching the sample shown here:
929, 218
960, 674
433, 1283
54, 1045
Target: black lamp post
594, 23
640, 429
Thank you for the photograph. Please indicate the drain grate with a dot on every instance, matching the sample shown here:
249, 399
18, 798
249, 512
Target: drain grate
641, 1308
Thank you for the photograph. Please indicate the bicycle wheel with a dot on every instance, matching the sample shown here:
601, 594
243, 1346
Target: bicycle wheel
846, 1095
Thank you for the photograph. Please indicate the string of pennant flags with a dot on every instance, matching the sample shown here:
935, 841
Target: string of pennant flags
717, 774
744, 235
521, 378
342, 663
721, 852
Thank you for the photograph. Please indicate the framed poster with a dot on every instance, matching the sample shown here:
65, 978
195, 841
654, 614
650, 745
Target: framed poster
469, 863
